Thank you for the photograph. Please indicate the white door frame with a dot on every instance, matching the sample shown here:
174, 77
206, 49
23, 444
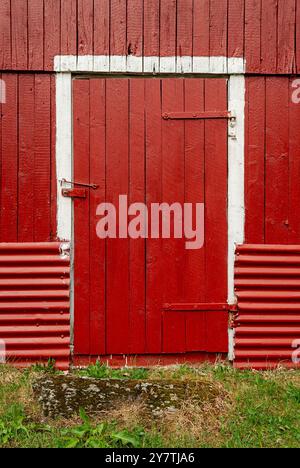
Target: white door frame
233, 68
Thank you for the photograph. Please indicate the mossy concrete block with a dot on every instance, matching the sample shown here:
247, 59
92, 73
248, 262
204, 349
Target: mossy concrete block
64, 395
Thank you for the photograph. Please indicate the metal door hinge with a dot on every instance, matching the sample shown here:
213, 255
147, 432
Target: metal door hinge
198, 115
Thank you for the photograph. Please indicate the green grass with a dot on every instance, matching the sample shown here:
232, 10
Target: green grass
259, 410
100, 371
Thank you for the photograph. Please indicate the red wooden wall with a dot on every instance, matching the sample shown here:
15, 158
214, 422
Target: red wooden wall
32, 32
27, 165
272, 162
265, 32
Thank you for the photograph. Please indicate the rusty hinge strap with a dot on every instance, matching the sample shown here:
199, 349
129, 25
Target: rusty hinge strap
196, 307
196, 115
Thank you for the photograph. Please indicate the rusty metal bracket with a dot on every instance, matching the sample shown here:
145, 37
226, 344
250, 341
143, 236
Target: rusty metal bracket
74, 193
197, 115
196, 307
79, 184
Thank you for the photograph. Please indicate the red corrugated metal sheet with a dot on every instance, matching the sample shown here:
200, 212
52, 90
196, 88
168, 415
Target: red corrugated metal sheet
35, 303
267, 282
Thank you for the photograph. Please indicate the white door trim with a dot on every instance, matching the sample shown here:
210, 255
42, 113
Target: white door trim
234, 67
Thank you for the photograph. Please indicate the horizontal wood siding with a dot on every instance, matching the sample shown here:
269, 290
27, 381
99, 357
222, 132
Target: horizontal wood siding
265, 32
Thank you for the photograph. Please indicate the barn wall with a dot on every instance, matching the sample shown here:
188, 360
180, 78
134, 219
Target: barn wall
32, 32
265, 32
27, 159
272, 162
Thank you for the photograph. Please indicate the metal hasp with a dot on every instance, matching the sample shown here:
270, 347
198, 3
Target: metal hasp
74, 193
79, 184
231, 116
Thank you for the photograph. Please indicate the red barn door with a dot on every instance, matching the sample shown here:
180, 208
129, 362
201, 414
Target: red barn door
150, 296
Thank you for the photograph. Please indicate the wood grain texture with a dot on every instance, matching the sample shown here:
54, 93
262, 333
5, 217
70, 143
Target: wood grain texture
5, 35
265, 33
277, 160
272, 161
201, 28
253, 34
255, 123
68, 30
27, 168
81, 91
52, 32
35, 35
85, 27
159, 161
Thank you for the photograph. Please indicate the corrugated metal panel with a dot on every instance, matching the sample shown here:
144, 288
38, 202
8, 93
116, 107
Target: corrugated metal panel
267, 280
35, 303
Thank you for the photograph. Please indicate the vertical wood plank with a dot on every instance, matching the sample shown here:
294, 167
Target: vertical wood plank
154, 252
216, 216
118, 12
19, 34
294, 169
151, 28
277, 160
1, 159
9, 165
193, 269
218, 28
135, 27
97, 246
252, 35
52, 32
68, 33
236, 28
26, 178
5, 35
81, 92
255, 160
201, 28
215, 200
297, 37
269, 36
117, 184
286, 36
137, 247
168, 28
174, 330
101, 27
53, 184
184, 27
42, 158
85, 27
35, 35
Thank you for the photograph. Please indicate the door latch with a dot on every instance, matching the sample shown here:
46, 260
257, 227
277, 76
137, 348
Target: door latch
232, 126
79, 184
74, 193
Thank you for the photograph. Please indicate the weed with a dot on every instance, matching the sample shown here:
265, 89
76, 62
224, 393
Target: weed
89, 435
101, 371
